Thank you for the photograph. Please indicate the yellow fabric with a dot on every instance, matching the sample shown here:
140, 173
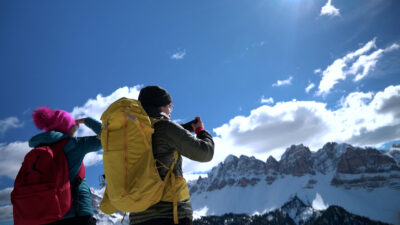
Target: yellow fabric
170, 190
133, 183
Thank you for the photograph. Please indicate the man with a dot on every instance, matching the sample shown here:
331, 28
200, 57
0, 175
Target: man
169, 137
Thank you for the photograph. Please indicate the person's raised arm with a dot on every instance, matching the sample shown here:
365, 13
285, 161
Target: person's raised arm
93, 124
199, 148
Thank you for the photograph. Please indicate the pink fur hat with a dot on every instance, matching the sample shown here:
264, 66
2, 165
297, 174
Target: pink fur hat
48, 119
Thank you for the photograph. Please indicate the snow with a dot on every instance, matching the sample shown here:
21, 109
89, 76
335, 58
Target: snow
381, 204
199, 213
194, 176
318, 203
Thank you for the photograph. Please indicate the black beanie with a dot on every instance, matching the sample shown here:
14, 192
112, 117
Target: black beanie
154, 96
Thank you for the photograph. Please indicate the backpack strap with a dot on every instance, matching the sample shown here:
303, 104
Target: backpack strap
75, 186
60, 144
175, 202
81, 174
78, 178
171, 176
156, 120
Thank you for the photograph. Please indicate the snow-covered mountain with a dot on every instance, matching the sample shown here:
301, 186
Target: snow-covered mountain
292, 212
337, 181
363, 181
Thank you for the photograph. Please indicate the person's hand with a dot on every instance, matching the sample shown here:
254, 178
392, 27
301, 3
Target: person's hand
79, 121
199, 125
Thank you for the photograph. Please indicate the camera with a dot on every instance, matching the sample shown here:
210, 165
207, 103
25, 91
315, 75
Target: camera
188, 125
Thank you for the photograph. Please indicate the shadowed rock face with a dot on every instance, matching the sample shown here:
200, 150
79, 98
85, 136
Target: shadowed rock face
357, 160
366, 168
272, 164
351, 167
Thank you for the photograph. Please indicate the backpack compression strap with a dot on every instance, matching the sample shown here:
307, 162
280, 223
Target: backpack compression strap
171, 175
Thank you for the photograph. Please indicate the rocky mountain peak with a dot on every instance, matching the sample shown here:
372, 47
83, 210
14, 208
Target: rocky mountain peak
250, 165
231, 159
395, 152
234, 166
327, 158
293, 203
296, 161
298, 210
296, 151
272, 164
334, 150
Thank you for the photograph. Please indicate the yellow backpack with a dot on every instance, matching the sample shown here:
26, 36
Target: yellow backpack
133, 183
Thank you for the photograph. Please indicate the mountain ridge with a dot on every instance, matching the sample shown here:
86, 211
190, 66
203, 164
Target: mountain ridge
352, 166
363, 181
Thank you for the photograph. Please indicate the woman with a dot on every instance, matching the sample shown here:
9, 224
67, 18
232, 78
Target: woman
59, 125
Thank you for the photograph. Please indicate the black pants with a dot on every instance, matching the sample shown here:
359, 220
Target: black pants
184, 221
80, 220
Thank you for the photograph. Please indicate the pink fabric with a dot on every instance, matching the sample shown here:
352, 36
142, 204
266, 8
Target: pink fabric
48, 119
199, 129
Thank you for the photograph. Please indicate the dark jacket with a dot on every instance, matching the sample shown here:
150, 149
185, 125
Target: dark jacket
169, 136
75, 150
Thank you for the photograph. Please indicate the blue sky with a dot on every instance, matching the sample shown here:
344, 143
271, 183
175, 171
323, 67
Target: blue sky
262, 74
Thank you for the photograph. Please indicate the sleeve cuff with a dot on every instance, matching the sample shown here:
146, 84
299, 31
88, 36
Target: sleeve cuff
199, 129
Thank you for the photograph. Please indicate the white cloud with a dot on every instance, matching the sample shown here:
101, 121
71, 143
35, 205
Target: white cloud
6, 213
366, 63
5, 196
92, 158
271, 127
283, 82
179, 55
309, 87
269, 100
11, 157
370, 45
388, 101
95, 107
356, 63
317, 70
331, 76
269, 130
329, 10
8, 123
